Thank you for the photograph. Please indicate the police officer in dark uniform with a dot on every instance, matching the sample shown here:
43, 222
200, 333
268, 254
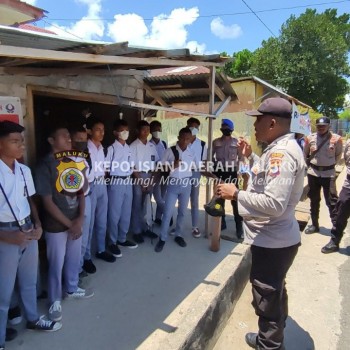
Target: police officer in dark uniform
226, 156
322, 151
342, 209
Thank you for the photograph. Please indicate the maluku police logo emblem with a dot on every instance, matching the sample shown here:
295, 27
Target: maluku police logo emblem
70, 177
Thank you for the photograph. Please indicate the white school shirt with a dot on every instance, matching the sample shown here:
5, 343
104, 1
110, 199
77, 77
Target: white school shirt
187, 161
14, 187
196, 148
119, 158
144, 156
97, 160
160, 147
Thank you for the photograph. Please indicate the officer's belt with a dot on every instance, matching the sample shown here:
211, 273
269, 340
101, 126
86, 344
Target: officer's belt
322, 168
15, 223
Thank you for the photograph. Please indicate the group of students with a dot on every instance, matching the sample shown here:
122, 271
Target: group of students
87, 191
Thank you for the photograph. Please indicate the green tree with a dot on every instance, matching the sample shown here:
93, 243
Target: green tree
240, 65
345, 114
309, 59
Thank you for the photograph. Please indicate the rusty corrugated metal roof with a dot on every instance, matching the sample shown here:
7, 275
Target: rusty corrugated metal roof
177, 85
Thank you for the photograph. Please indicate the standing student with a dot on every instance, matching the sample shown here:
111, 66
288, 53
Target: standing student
144, 156
270, 226
20, 229
182, 160
200, 151
59, 182
159, 187
119, 189
99, 196
79, 143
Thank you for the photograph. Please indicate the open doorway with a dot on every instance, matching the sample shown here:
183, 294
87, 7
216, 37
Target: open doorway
56, 109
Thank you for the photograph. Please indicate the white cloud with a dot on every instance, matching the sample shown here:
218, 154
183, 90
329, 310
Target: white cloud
90, 27
219, 29
130, 27
30, 2
165, 31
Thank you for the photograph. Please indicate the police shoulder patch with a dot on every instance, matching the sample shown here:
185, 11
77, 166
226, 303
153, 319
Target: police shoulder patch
275, 163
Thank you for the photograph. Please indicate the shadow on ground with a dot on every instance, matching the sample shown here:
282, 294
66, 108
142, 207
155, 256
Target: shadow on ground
133, 297
296, 338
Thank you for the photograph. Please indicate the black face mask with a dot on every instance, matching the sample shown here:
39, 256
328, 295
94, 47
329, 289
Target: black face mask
80, 146
226, 132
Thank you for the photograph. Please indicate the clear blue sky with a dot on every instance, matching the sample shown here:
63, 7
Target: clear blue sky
204, 25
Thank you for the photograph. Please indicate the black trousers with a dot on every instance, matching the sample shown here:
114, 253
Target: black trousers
330, 196
270, 299
342, 214
231, 177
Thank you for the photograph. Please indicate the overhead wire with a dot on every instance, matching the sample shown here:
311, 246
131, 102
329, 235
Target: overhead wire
212, 15
255, 14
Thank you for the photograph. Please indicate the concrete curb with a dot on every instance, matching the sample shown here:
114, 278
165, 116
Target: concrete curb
196, 323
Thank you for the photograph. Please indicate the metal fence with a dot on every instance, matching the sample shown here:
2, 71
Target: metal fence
341, 127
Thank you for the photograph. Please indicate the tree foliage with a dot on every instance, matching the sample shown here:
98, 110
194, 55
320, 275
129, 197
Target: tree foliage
308, 60
241, 64
345, 114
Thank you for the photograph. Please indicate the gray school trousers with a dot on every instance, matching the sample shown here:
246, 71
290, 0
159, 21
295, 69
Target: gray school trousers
119, 209
99, 207
23, 263
86, 236
63, 255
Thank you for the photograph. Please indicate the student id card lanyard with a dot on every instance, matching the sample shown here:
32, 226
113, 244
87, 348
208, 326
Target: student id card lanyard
8, 202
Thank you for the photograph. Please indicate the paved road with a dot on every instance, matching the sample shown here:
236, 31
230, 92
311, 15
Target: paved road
319, 298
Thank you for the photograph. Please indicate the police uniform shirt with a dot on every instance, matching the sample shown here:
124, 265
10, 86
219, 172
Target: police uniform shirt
97, 159
328, 155
187, 162
268, 204
119, 158
144, 156
196, 147
225, 151
14, 186
160, 147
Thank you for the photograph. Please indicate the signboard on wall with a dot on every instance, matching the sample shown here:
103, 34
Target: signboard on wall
11, 109
300, 122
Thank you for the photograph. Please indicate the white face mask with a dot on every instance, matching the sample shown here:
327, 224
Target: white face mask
157, 134
194, 131
124, 135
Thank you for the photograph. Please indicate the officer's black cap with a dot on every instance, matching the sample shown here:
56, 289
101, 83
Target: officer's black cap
277, 106
8, 127
323, 121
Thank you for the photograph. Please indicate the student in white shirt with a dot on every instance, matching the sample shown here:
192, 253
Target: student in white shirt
99, 197
183, 160
145, 157
79, 143
20, 229
159, 187
200, 150
119, 189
